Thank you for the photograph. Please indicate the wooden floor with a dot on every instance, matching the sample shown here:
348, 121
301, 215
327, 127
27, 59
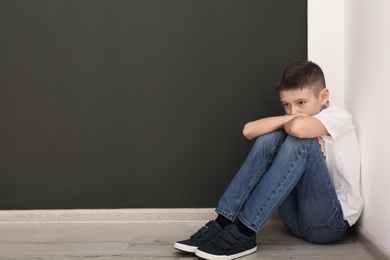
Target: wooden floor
154, 240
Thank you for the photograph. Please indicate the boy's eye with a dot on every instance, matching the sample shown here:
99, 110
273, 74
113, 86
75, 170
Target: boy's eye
286, 105
301, 103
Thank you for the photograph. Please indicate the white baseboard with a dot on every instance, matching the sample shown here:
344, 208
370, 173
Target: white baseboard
105, 215
370, 244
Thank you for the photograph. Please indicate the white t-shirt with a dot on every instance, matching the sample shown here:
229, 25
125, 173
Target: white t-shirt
343, 159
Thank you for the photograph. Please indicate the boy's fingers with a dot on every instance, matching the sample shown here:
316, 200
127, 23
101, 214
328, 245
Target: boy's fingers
322, 145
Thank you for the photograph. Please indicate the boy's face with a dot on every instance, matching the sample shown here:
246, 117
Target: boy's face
303, 101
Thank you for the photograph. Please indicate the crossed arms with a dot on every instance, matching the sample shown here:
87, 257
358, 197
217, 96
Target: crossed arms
299, 125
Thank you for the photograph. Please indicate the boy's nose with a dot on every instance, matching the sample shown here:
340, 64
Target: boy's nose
294, 110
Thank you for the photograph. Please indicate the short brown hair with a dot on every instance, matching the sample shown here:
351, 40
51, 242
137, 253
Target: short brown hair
302, 74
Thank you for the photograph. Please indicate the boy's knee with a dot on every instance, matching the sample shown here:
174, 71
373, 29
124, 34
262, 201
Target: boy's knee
277, 137
297, 140
278, 134
301, 142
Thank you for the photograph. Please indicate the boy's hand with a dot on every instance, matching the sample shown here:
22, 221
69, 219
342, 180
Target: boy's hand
322, 145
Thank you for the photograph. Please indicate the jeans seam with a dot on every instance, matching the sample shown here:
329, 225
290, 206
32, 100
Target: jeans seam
274, 192
258, 174
326, 226
245, 193
248, 224
236, 210
329, 185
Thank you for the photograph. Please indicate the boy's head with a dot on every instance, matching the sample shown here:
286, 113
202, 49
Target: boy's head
302, 88
302, 74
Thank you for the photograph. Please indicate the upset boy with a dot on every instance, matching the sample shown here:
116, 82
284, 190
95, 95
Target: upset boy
305, 163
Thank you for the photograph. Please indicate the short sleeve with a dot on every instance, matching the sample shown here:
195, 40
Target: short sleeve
335, 119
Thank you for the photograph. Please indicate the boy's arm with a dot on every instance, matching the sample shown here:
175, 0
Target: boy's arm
265, 125
305, 127
299, 125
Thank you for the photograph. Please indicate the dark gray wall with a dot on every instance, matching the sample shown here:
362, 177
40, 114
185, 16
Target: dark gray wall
110, 104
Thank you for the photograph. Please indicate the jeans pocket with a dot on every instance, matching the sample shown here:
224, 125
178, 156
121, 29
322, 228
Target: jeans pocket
327, 233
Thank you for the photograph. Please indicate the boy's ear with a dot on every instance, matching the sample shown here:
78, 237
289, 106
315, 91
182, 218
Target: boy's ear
324, 95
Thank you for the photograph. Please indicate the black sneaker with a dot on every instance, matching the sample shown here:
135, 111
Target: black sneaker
201, 237
229, 244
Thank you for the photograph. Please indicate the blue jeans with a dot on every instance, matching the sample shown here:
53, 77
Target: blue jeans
291, 174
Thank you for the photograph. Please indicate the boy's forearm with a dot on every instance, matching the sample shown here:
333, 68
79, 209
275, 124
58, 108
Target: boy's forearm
305, 127
265, 125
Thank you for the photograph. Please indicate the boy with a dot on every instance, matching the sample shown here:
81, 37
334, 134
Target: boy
305, 163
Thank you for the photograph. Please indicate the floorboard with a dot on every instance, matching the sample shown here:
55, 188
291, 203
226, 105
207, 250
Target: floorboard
152, 240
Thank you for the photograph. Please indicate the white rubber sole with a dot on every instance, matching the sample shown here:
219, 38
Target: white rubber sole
185, 248
224, 257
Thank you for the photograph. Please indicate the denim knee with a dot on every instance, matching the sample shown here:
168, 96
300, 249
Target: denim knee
277, 137
302, 143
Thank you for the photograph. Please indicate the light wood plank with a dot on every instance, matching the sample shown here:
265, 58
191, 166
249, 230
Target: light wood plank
145, 234
152, 240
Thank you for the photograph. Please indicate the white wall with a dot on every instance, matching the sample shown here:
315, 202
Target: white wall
366, 91
326, 43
